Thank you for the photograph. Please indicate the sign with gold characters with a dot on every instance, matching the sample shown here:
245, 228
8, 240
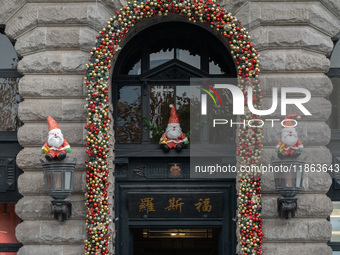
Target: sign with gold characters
176, 205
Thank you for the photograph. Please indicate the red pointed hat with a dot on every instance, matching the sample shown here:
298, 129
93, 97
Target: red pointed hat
173, 115
288, 120
52, 124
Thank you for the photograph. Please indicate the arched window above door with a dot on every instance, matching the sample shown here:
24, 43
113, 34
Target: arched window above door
154, 70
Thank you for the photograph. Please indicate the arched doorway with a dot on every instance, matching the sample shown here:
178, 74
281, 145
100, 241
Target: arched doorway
158, 212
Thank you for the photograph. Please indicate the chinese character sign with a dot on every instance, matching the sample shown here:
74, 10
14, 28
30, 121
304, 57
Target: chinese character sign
173, 205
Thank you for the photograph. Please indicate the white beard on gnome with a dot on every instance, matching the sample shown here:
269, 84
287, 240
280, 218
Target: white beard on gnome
173, 131
55, 139
289, 136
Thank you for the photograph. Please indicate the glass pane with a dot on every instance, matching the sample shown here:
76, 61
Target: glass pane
186, 57
136, 69
336, 253
9, 100
129, 126
334, 120
68, 180
48, 180
8, 221
161, 57
57, 180
186, 98
335, 58
215, 112
214, 68
335, 221
160, 99
9, 58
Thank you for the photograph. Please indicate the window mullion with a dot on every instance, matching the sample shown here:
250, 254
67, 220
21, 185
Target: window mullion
145, 111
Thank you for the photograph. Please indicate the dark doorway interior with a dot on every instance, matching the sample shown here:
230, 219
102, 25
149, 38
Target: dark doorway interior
175, 241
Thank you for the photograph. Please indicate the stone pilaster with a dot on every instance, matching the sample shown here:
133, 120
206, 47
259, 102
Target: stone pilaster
294, 39
54, 39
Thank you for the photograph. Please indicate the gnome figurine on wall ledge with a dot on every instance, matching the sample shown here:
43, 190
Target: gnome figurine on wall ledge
289, 144
56, 146
173, 138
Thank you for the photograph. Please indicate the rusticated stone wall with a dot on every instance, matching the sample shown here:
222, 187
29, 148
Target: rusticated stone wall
54, 38
294, 39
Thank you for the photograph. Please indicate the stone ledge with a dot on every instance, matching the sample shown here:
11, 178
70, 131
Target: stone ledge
39, 207
312, 183
309, 205
74, 133
317, 83
59, 109
41, 86
296, 248
296, 230
303, 37
35, 14
32, 183
51, 232
255, 14
311, 133
293, 60
54, 62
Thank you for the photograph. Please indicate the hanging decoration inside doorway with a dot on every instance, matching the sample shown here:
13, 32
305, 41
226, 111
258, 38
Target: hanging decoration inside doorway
98, 121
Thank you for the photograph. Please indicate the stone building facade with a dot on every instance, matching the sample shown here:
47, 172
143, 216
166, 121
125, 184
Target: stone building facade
294, 39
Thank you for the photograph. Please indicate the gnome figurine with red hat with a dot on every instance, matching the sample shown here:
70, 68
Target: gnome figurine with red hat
56, 146
289, 145
173, 138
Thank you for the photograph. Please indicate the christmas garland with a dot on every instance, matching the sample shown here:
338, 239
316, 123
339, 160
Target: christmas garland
98, 121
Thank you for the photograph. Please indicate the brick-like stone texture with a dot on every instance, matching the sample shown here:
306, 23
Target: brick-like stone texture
52, 38
39, 207
76, 248
317, 83
296, 229
51, 232
254, 14
37, 14
59, 109
32, 183
299, 37
53, 86
54, 62
293, 60
296, 248
8, 8
309, 205
319, 107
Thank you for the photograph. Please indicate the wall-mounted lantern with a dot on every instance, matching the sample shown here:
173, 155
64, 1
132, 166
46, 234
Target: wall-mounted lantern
288, 182
58, 177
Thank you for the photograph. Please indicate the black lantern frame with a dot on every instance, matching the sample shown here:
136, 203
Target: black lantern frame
59, 179
288, 177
